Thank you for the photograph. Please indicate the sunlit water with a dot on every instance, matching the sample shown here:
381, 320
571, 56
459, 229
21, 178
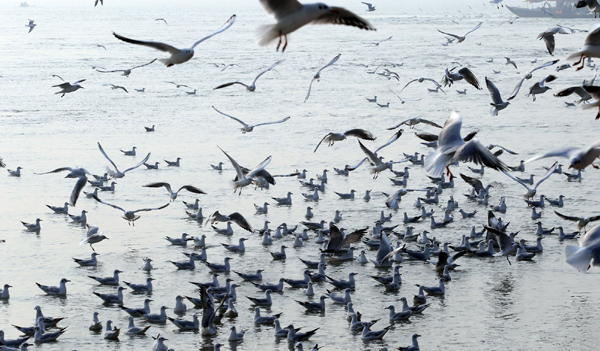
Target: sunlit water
489, 304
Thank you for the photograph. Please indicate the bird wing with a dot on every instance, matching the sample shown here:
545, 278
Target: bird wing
116, 70
339, 15
108, 158
238, 169
139, 164
474, 182
568, 218
469, 77
560, 152
579, 90
79, 185
503, 148
427, 136
241, 221
430, 123
335, 238
309, 88
394, 137
473, 151
516, 90
57, 170
208, 308
502, 238
360, 133
399, 124
474, 29
449, 138
265, 71
354, 236
352, 168
230, 84
547, 64
333, 60
495, 94
227, 24
106, 203
159, 185
280, 8
372, 157
548, 174
517, 180
547, 79
275, 122
450, 34
593, 38
236, 119
145, 64
414, 80
152, 44
319, 144
151, 209
258, 168
549, 41
434, 82
63, 85
191, 189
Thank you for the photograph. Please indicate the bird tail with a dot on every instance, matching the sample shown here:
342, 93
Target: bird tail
167, 62
267, 34
574, 56
578, 257
435, 163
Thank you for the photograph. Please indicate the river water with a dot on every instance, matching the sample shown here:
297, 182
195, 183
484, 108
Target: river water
544, 304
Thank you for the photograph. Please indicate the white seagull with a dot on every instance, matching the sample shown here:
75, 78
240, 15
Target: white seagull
532, 190
173, 194
461, 38
177, 55
579, 158
317, 76
370, 7
246, 127
245, 179
497, 102
130, 216
291, 15
252, 86
126, 72
68, 87
117, 173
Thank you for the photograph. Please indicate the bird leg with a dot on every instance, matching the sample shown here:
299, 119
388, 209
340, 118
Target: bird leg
580, 59
508, 261
92, 248
279, 44
285, 45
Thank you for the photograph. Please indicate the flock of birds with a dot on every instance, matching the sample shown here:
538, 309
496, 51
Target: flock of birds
324, 241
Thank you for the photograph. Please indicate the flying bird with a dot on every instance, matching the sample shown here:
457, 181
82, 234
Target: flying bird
252, 86
579, 158
528, 75
548, 37
248, 128
178, 56
68, 87
331, 137
242, 179
162, 19
412, 122
459, 38
126, 72
130, 216
591, 46
173, 194
370, 7
317, 76
291, 15
531, 191
497, 102
31, 25
116, 173
421, 80
463, 73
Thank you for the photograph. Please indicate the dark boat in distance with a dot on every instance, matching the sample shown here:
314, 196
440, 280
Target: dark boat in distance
561, 9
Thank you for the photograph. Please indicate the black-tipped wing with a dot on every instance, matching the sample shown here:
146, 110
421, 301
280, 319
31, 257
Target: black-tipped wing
427, 136
152, 44
473, 151
336, 238
241, 221
106, 203
159, 185
360, 133
151, 209
81, 182
139, 164
339, 15
474, 182
469, 77
354, 236
191, 189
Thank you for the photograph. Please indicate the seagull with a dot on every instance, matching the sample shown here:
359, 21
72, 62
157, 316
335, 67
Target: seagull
421, 80
451, 148
138, 312
173, 194
317, 76
112, 298
126, 72
130, 216
590, 46
497, 102
244, 180
579, 158
463, 73
113, 87
180, 85
412, 122
548, 37
161, 19
587, 253
60, 290
540, 87
79, 173
291, 15
33, 227
331, 137
252, 86
87, 263
234, 217
510, 62
133, 330
149, 129
459, 38
377, 44
370, 7
592, 5
68, 87
178, 56
117, 173
31, 25
582, 222
248, 128
114, 280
